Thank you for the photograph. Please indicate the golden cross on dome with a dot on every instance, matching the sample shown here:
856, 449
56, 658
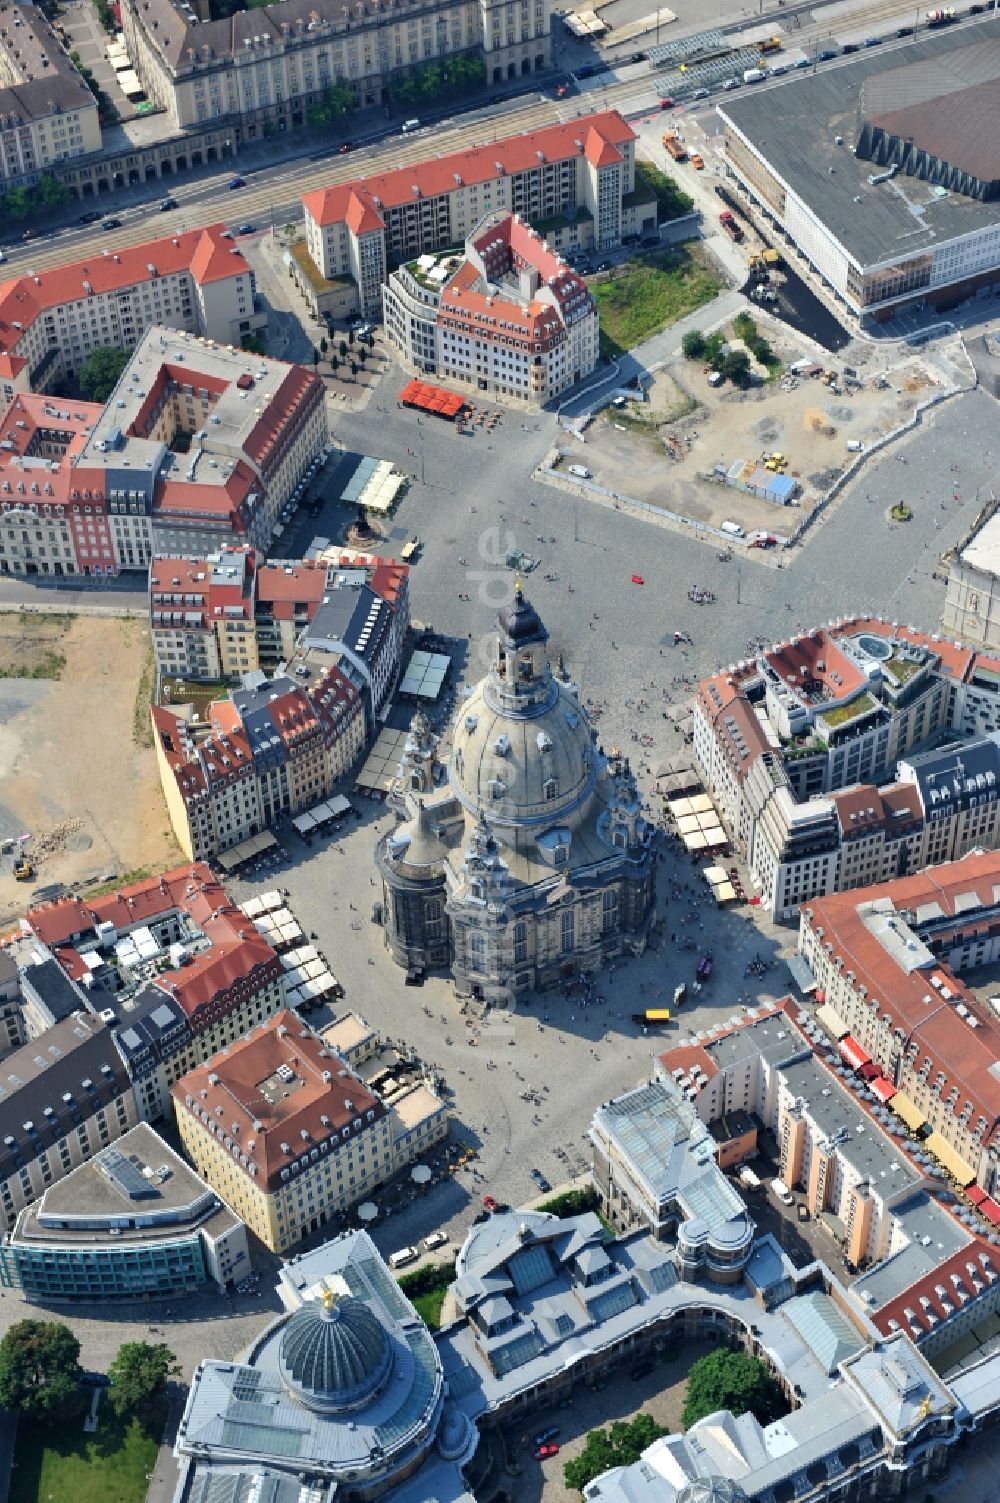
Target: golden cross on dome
329, 1299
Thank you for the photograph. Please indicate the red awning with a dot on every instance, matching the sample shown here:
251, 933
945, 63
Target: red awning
869, 1071
852, 1052
990, 1210
976, 1194
884, 1089
820, 995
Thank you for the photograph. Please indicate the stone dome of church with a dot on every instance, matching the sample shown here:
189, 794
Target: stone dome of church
335, 1353
522, 750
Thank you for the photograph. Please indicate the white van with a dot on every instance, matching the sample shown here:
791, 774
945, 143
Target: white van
580, 471
782, 1191
409, 125
404, 1256
732, 529
436, 1239
855, 446
754, 75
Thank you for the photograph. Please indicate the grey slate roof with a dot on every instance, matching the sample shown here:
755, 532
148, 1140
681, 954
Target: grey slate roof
794, 126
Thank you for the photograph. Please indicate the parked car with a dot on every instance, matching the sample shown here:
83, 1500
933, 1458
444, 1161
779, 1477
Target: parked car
541, 1181
167, 203
700, 94
91, 217
544, 1436
436, 1239
666, 104
236, 182
91, 1379
873, 41
489, 1202
345, 147
245, 229
641, 1370
826, 56
544, 1452
402, 1257
111, 224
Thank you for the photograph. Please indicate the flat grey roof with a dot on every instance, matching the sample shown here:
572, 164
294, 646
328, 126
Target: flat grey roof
794, 126
874, 1156
88, 1195
932, 1237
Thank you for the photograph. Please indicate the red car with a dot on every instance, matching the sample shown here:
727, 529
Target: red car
346, 146
489, 1202
544, 1452
666, 104
638, 579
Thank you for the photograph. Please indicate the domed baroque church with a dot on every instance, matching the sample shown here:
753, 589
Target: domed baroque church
524, 859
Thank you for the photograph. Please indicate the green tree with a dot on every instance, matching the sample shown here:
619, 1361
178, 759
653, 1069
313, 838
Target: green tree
733, 1381
39, 1366
252, 344
736, 366
342, 349
324, 346
715, 350
350, 337
354, 370
100, 371
138, 1374
760, 349
744, 327
334, 363
621, 1445
335, 105
315, 358
362, 352
693, 345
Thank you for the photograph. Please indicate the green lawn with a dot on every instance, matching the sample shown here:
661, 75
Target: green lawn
428, 1306
55, 1462
649, 292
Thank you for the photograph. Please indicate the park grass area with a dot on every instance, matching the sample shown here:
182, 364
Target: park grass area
428, 1307
671, 200
55, 1460
30, 644
649, 292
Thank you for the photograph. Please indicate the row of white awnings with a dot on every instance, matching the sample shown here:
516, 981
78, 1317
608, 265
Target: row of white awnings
321, 815
256, 845
308, 978
280, 928
264, 902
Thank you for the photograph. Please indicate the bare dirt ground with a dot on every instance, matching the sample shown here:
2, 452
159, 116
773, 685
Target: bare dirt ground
664, 451
71, 772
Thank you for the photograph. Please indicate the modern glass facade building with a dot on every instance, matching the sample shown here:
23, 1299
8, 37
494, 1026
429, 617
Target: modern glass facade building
134, 1223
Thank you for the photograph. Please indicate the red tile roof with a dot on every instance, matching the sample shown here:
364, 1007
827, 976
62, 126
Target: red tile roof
271, 1134
203, 252
940, 1294
966, 1055
360, 202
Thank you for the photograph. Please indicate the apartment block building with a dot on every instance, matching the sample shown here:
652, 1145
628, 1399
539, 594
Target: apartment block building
47, 113
773, 1065
264, 69
576, 182
50, 321
260, 757
888, 961
815, 754
65, 1096
170, 966
198, 446
237, 613
283, 1130
510, 318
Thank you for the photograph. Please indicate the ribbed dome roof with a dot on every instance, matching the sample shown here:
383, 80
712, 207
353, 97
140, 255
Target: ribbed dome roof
335, 1353
712, 1490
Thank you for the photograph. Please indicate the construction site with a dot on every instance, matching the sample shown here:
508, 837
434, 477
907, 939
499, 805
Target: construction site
761, 457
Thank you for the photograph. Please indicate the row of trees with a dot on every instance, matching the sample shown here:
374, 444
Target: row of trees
720, 1380
40, 1370
22, 203
336, 104
461, 74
